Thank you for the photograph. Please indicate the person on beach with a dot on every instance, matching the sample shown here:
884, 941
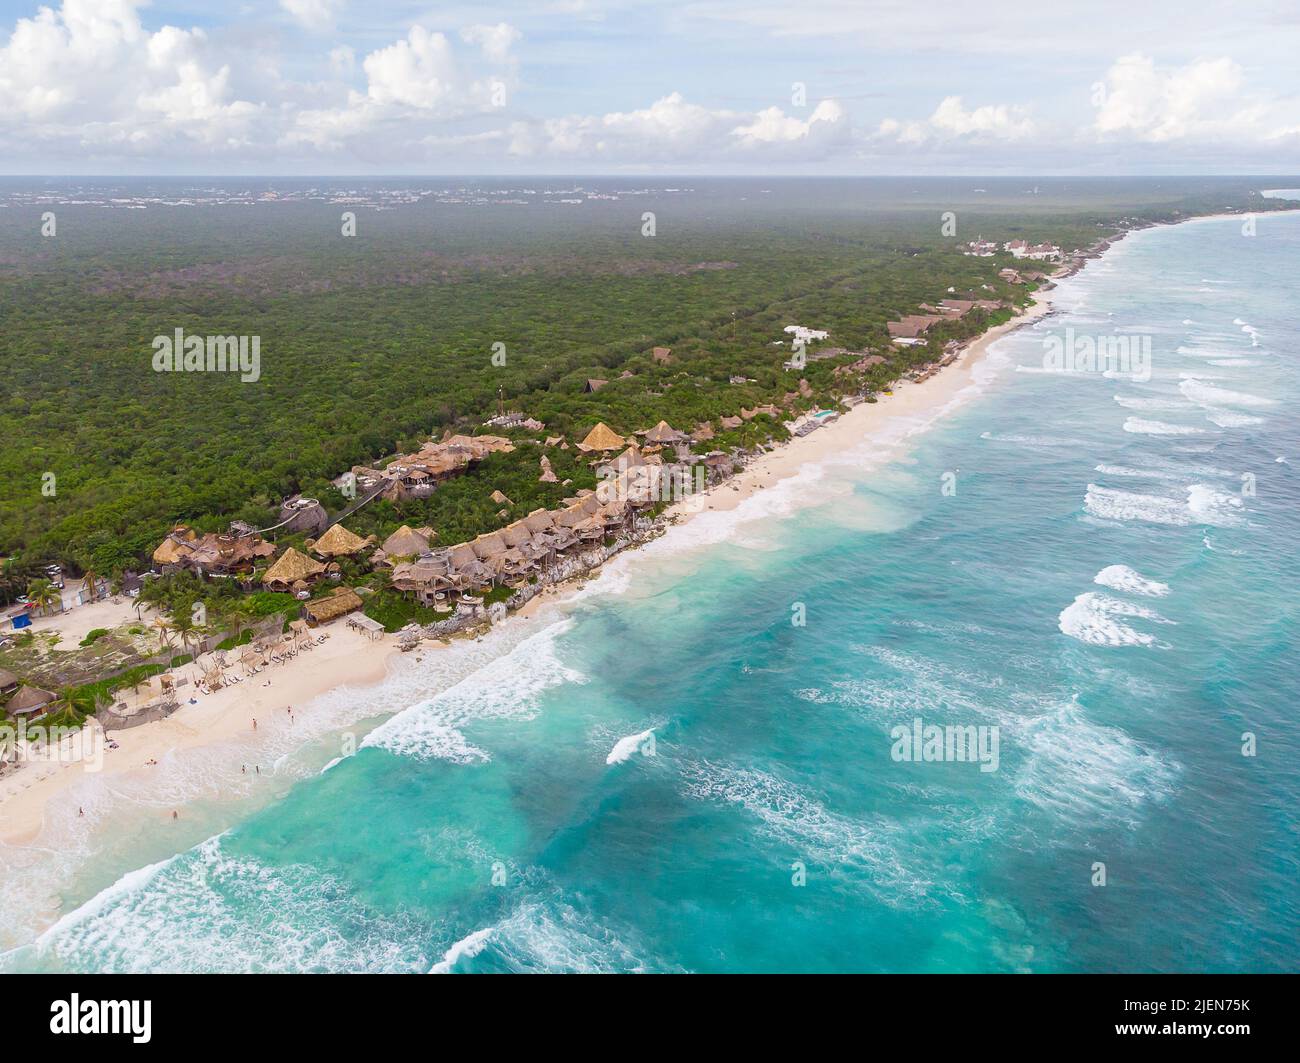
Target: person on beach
175, 815
254, 723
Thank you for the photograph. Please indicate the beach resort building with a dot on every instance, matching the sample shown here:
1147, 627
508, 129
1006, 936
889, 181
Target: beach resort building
211, 554
800, 334
416, 475
1039, 252
292, 571
602, 438
30, 701
339, 542
344, 600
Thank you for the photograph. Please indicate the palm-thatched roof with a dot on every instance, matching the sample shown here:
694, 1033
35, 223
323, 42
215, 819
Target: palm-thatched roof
663, 432
629, 459
489, 545
602, 437
29, 699
175, 546
7, 679
338, 542
292, 567
405, 542
539, 520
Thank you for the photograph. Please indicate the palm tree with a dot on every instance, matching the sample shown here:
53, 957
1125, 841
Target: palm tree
88, 584
184, 624
164, 627
70, 704
11, 578
42, 594
241, 612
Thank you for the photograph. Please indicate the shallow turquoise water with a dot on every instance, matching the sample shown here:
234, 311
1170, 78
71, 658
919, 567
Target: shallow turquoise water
482, 829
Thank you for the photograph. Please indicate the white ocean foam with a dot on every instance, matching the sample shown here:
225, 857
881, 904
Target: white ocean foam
625, 748
1209, 506
1123, 578
793, 818
1204, 505
1234, 362
506, 685
1231, 418
210, 910
1031, 441
551, 935
1132, 402
1092, 618
1081, 771
1058, 760
465, 949
1209, 396
1138, 474
1141, 426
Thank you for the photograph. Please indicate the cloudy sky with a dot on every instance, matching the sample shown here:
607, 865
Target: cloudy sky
623, 86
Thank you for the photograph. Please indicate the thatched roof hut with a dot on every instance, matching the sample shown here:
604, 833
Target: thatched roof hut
29, 699
292, 567
602, 437
339, 542
488, 546
539, 520
405, 542
516, 534
629, 459
663, 432
175, 546
8, 681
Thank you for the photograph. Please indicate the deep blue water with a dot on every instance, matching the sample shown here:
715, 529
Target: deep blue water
1112, 586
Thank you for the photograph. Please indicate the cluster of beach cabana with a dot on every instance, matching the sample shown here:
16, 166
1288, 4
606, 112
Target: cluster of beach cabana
416, 475
530, 545
222, 669
512, 554
210, 554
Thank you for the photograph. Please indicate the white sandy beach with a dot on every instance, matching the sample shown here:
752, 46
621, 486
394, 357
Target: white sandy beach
349, 658
346, 658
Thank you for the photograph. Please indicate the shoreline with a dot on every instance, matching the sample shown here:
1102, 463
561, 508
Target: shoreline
346, 659
349, 659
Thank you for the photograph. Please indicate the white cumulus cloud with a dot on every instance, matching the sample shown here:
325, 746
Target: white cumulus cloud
952, 121
1203, 99
315, 15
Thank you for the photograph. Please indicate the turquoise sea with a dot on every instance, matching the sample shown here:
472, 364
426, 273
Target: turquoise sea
677, 776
